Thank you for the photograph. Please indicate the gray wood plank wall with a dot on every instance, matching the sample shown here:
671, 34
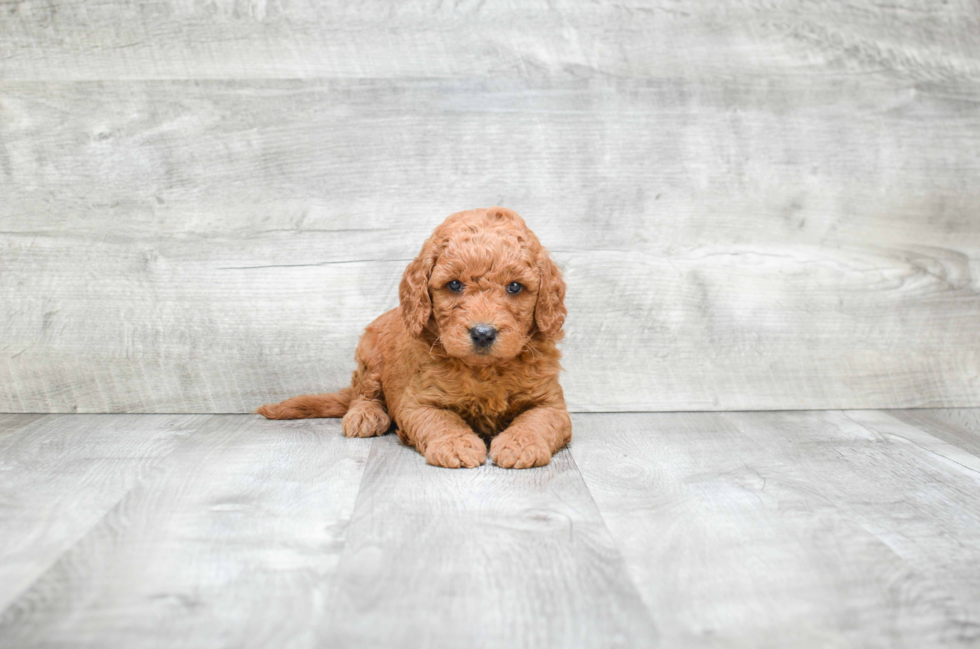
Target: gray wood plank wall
757, 204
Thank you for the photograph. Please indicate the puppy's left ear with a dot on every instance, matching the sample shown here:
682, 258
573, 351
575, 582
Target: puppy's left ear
550, 312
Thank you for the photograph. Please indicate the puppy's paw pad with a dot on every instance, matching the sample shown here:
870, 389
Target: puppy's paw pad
454, 452
511, 452
365, 419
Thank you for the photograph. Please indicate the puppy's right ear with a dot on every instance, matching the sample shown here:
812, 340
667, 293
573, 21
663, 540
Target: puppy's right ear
416, 304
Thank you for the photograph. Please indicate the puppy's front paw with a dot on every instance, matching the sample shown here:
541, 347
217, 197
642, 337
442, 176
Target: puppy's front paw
519, 450
365, 419
454, 451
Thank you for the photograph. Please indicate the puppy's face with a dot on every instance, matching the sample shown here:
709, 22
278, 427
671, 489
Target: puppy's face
484, 288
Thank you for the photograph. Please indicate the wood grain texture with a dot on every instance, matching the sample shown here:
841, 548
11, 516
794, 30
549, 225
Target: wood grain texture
958, 426
10, 425
830, 529
58, 39
750, 243
487, 557
232, 543
790, 529
59, 475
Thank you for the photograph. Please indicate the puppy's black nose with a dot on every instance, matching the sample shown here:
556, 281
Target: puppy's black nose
483, 335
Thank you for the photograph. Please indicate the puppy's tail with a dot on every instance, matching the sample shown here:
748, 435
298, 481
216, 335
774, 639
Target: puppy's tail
308, 406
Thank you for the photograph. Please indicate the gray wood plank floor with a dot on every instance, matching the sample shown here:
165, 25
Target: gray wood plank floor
750, 529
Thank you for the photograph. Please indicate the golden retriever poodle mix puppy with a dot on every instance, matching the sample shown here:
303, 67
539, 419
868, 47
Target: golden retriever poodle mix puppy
469, 355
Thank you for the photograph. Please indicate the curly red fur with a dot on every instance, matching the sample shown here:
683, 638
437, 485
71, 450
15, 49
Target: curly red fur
418, 366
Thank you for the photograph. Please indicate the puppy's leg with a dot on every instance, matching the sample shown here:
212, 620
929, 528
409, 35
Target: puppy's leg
532, 438
366, 418
442, 437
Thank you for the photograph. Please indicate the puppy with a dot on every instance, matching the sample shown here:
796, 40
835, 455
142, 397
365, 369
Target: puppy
469, 354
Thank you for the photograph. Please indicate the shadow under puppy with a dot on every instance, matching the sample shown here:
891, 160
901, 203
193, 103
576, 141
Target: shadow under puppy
468, 355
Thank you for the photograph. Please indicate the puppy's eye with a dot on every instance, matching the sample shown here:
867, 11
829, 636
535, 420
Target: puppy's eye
514, 288
455, 286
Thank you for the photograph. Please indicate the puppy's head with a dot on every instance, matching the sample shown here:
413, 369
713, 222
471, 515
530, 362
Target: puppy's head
485, 285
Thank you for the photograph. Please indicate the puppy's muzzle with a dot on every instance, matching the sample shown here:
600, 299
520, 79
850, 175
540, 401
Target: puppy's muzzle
483, 336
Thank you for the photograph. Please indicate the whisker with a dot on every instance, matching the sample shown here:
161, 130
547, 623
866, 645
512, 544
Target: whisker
527, 346
431, 347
